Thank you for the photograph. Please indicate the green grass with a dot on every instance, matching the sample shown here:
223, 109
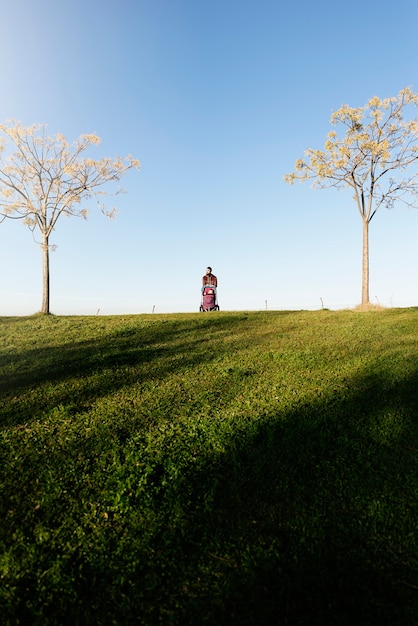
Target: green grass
217, 469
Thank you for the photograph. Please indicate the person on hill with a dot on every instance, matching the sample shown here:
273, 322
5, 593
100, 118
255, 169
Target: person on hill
209, 278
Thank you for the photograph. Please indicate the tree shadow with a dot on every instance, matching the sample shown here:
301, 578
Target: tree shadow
133, 354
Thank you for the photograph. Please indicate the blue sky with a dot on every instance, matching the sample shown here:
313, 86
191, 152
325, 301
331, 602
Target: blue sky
217, 100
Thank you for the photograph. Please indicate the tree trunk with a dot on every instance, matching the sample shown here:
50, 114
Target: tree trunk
365, 264
45, 275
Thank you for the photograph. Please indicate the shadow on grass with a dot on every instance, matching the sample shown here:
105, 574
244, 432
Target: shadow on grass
132, 354
304, 518
321, 508
313, 519
307, 518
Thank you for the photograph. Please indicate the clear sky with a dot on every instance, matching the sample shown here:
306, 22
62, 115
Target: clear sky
217, 100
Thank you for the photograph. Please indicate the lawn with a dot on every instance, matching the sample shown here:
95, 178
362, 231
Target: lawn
242, 468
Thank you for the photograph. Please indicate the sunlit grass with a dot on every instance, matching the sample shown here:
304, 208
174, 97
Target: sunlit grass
227, 468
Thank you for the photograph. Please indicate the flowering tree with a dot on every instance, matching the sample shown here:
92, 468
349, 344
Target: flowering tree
376, 159
46, 177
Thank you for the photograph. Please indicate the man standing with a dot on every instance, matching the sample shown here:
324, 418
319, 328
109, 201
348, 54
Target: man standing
209, 278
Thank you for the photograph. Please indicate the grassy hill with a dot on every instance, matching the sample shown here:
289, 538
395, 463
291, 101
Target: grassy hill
216, 469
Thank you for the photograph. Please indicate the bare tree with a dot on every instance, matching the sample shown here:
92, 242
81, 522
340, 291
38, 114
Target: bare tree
376, 159
46, 177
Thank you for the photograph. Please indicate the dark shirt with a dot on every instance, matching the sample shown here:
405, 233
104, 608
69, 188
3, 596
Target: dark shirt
209, 279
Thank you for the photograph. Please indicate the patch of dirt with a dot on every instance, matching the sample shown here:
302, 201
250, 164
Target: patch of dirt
369, 307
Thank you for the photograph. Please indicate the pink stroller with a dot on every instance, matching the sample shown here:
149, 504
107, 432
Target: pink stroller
209, 298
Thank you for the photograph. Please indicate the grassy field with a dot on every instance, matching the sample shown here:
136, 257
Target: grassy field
210, 469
